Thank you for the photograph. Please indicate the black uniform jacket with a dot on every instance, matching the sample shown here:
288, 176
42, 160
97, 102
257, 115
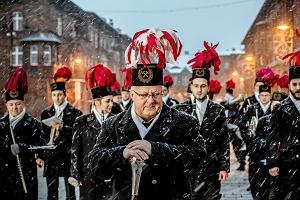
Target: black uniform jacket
57, 161
177, 151
215, 132
283, 140
246, 118
27, 132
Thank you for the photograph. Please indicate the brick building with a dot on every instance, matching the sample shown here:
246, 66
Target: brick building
43, 34
272, 34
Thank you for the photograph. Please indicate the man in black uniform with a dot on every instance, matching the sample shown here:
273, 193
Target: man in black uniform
212, 120
167, 141
86, 130
27, 132
283, 142
57, 161
116, 92
126, 100
168, 82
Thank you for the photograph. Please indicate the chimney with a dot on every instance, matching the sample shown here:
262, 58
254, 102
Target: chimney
111, 22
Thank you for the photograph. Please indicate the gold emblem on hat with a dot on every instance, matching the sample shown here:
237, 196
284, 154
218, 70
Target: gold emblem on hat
14, 94
145, 75
54, 86
277, 96
200, 72
265, 88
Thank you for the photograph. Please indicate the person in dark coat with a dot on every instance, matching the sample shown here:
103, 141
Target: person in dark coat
57, 161
116, 92
27, 133
213, 127
126, 100
254, 112
168, 82
86, 130
167, 141
283, 158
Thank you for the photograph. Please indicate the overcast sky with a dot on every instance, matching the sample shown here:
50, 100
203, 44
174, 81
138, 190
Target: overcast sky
224, 21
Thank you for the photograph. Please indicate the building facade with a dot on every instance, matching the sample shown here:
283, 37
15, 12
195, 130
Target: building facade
272, 35
41, 35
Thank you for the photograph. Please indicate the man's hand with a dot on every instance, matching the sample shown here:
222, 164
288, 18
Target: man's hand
274, 171
138, 154
14, 148
223, 175
74, 182
143, 145
39, 162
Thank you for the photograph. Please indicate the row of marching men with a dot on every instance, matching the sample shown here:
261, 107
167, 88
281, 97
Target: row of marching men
268, 124
96, 151
184, 155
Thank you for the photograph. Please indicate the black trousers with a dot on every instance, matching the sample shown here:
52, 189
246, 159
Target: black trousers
259, 180
206, 185
53, 184
237, 144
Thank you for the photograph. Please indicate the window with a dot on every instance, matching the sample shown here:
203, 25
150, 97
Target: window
34, 55
17, 56
96, 40
59, 26
47, 55
92, 37
17, 21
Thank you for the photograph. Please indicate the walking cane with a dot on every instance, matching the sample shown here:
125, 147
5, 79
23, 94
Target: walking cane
137, 168
18, 161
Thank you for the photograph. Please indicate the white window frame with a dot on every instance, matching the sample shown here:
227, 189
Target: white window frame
47, 53
16, 58
34, 61
17, 21
59, 27
92, 37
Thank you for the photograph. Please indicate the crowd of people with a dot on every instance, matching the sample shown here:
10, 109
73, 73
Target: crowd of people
183, 149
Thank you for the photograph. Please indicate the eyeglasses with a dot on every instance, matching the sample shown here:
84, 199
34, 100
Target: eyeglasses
155, 96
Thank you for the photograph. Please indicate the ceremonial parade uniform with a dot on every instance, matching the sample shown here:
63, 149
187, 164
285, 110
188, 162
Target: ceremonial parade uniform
57, 161
213, 127
149, 155
86, 130
22, 131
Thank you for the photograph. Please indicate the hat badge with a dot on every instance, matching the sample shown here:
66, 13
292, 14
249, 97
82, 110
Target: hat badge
145, 75
14, 94
200, 72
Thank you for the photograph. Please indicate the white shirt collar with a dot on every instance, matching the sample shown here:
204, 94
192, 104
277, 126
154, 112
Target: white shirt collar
265, 107
60, 108
295, 101
139, 122
125, 102
165, 98
201, 109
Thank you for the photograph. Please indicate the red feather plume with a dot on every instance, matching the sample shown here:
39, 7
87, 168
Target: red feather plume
168, 79
115, 85
18, 79
62, 74
128, 77
148, 43
214, 86
99, 75
230, 84
207, 58
283, 81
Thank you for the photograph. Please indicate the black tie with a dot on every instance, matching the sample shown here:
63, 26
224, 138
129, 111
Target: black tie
146, 124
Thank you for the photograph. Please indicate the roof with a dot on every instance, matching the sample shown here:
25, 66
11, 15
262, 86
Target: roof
182, 64
41, 37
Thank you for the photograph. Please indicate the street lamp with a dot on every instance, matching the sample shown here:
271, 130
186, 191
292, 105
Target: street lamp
235, 73
249, 58
283, 27
78, 60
